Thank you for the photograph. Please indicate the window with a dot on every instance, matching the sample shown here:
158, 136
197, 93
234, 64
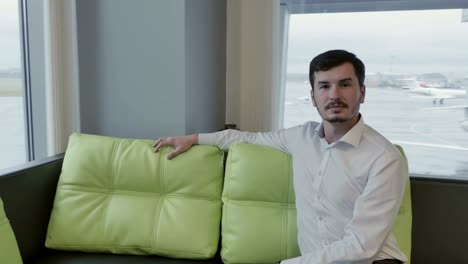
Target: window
12, 121
416, 79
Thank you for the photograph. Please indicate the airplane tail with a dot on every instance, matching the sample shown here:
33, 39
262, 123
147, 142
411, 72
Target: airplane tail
414, 86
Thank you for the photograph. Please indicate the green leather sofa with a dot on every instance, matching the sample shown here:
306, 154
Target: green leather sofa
28, 194
9, 252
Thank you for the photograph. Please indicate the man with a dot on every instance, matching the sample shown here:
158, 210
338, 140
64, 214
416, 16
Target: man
348, 179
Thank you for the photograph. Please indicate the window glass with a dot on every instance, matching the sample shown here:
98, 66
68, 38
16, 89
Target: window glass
416, 79
12, 125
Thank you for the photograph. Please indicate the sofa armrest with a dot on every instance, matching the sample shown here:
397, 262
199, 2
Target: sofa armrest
28, 192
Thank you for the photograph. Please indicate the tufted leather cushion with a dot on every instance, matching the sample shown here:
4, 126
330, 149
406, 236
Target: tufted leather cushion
259, 213
9, 252
117, 195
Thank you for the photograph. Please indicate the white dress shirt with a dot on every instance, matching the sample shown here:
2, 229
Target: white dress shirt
348, 193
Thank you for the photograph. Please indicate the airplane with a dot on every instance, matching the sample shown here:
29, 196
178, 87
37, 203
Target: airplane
463, 123
437, 92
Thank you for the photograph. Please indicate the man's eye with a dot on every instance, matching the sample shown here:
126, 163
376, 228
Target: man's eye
324, 87
345, 84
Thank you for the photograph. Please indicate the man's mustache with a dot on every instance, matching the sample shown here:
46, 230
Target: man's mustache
335, 104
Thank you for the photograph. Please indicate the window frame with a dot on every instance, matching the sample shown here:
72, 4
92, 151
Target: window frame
24, 40
33, 61
341, 6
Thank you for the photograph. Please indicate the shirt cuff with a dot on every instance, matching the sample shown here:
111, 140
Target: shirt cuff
292, 261
206, 139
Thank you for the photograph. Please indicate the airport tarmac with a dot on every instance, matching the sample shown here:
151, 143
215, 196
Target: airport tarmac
433, 140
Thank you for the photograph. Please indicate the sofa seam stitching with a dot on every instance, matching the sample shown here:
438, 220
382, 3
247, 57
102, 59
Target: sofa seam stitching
139, 194
289, 176
104, 216
156, 221
157, 212
284, 211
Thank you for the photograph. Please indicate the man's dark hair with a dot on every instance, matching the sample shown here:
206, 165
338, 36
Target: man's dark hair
333, 58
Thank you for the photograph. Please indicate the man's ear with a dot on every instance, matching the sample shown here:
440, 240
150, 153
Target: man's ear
312, 96
363, 94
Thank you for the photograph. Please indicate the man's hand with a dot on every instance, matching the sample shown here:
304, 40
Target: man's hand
181, 144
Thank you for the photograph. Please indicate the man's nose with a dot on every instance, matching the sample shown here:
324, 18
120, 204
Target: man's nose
334, 92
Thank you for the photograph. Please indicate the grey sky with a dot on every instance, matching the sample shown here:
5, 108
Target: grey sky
392, 41
9, 35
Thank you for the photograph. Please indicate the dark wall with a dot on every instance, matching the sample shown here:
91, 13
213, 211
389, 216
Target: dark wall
440, 221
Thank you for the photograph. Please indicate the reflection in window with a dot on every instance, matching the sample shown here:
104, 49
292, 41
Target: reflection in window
12, 128
417, 79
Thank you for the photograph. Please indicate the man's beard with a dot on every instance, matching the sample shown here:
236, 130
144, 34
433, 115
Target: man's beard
336, 119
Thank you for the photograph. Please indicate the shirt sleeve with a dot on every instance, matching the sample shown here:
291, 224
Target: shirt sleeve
223, 139
374, 214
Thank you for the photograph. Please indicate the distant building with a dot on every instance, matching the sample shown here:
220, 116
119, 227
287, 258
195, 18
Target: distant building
10, 73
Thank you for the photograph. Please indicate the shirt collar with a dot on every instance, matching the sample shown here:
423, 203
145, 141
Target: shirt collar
352, 137
319, 130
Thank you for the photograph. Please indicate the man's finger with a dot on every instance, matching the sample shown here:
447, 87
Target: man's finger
173, 154
156, 142
160, 145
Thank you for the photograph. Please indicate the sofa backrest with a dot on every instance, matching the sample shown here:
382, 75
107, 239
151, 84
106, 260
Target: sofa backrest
402, 228
9, 252
259, 214
28, 191
439, 230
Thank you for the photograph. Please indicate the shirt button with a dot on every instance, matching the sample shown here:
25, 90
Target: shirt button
320, 218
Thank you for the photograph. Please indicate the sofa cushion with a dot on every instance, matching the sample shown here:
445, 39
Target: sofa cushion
403, 224
259, 214
117, 195
9, 252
